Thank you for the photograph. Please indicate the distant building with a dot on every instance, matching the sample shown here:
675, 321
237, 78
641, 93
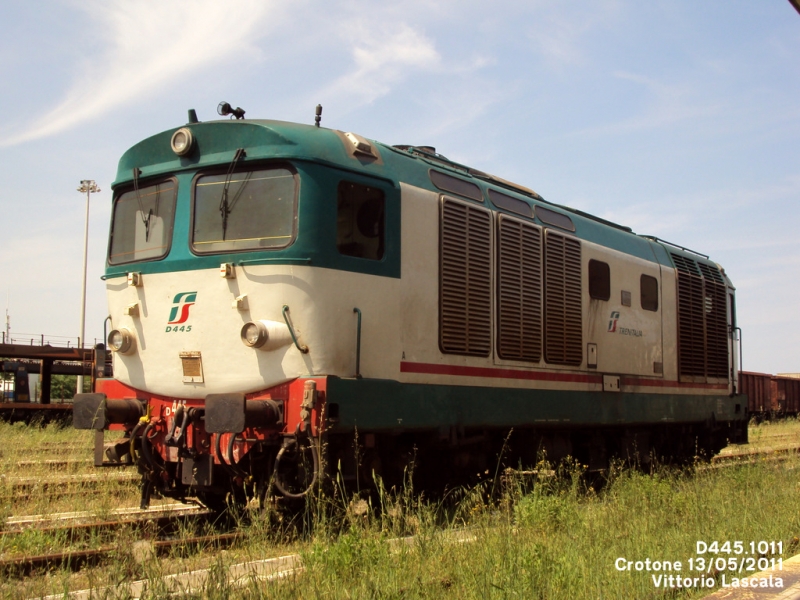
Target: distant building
7, 388
793, 375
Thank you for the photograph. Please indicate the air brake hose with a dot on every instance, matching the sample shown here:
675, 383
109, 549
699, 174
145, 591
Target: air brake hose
148, 457
169, 441
314, 477
220, 458
182, 435
135, 430
143, 420
229, 457
147, 490
232, 470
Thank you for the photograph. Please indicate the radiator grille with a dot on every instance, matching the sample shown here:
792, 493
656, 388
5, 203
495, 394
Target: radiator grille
519, 266
691, 326
465, 280
702, 322
716, 322
563, 323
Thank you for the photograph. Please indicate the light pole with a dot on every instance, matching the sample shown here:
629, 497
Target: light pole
88, 186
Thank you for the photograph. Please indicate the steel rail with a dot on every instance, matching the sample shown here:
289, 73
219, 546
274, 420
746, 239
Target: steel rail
22, 566
133, 511
772, 454
23, 488
75, 531
25, 521
239, 575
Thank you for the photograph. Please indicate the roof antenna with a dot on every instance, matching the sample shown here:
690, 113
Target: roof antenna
318, 116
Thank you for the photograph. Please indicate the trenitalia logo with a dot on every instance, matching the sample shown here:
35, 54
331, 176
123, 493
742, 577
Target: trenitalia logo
180, 307
612, 323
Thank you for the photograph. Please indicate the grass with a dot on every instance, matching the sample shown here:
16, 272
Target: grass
24, 453
552, 536
780, 433
560, 539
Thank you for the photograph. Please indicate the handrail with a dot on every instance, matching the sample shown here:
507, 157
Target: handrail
303, 348
358, 343
274, 259
105, 331
741, 357
678, 246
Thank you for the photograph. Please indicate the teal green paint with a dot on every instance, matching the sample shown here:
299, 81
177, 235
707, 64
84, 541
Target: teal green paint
371, 404
315, 243
317, 152
661, 254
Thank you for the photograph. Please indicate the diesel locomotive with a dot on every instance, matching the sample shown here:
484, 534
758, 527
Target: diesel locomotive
289, 301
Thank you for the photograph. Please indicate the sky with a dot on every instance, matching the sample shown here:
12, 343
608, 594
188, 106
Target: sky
680, 119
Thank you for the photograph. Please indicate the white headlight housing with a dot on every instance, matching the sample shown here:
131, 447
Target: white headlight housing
265, 335
182, 141
122, 341
254, 334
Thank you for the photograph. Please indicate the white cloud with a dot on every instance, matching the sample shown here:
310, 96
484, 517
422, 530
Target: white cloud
382, 57
699, 212
560, 33
149, 44
667, 104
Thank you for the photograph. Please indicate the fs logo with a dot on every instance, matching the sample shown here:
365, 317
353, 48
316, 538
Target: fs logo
612, 323
181, 304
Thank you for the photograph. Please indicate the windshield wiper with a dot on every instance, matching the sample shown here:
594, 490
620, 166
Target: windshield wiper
145, 219
150, 213
224, 206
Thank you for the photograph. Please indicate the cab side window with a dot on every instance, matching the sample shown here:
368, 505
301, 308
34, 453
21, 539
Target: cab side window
360, 221
599, 280
649, 291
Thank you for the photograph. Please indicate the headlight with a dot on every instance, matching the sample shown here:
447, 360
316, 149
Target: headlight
122, 341
254, 334
182, 141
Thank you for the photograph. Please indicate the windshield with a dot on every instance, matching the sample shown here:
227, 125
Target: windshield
247, 210
141, 226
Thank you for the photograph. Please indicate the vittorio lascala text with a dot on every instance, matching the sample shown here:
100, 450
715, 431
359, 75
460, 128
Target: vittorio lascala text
670, 575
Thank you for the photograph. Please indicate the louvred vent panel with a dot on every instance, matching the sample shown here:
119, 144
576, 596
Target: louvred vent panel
519, 290
702, 322
562, 293
465, 280
714, 305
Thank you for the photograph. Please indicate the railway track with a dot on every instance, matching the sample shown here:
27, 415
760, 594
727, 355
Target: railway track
74, 532
23, 522
75, 559
65, 484
82, 527
55, 463
239, 575
243, 574
737, 458
162, 523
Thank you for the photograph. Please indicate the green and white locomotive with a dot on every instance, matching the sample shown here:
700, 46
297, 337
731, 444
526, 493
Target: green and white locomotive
281, 293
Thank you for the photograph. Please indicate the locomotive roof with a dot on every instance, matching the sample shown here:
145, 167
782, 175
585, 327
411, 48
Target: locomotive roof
217, 142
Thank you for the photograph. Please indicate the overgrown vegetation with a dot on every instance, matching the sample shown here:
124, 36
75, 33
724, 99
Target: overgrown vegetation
63, 387
547, 534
